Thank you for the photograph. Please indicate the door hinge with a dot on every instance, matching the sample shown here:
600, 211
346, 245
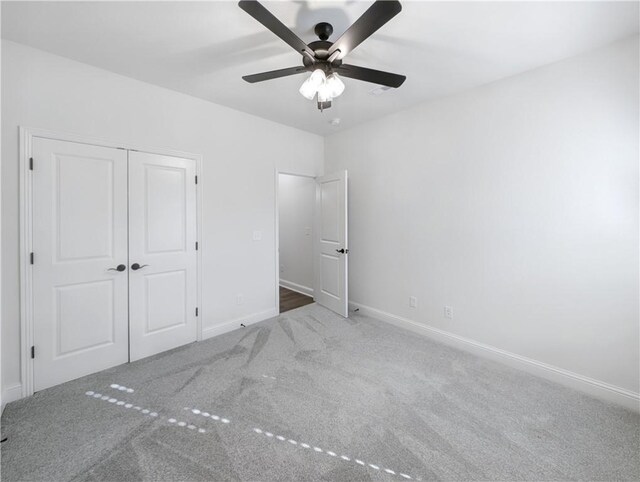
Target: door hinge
31, 258
196, 246
196, 179
196, 311
31, 163
33, 352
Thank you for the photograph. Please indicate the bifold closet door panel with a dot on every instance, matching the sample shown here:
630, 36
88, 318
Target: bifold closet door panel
162, 253
79, 208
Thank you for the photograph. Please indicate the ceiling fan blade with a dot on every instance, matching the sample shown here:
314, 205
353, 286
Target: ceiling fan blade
375, 17
370, 75
274, 74
266, 18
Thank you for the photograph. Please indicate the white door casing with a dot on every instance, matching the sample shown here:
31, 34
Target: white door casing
332, 248
79, 235
162, 240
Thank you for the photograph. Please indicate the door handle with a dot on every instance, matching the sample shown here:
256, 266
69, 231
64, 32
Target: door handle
120, 267
136, 266
342, 251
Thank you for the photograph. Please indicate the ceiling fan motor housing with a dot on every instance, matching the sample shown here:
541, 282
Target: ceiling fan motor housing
321, 50
323, 30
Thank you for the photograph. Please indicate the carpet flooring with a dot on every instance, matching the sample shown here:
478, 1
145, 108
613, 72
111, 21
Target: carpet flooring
311, 396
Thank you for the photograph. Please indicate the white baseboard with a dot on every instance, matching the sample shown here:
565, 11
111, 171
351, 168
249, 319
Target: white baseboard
11, 394
305, 290
231, 325
596, 388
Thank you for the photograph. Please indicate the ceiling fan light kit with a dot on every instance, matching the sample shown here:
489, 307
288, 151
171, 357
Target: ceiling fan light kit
326, 88
324, 58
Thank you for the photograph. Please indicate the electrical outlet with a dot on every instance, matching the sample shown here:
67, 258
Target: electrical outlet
282, 268
413, 302
257, 235
238, 299
448, 312
307, 231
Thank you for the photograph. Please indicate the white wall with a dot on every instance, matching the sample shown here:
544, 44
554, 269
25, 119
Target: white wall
296, 200
241, 153
515, 203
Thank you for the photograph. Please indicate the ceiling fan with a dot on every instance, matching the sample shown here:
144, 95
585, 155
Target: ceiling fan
324, 58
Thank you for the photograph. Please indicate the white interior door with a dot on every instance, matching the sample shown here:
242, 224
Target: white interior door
162, 243
332, 248
79, 207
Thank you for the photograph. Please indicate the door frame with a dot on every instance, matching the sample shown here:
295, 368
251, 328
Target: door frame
26, 136
277, 230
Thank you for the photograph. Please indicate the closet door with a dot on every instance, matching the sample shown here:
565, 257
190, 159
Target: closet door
162, 253
80, 318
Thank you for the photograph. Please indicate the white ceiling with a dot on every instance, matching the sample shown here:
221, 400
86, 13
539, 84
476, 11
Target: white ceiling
203, 48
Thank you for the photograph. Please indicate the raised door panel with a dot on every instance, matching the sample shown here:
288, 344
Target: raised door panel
85, 317
330, 217
166, 301
330, 275
166, 204
83, 207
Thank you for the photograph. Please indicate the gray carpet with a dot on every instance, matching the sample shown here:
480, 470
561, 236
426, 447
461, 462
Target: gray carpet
311, 396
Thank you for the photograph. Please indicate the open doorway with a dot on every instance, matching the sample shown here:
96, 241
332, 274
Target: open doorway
312, 242
296, 201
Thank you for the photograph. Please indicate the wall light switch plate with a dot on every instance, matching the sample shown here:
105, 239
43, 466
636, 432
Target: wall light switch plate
257, 235
413, 302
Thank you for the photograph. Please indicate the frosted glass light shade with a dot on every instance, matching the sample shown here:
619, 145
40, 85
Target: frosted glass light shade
335, 86
310, 86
